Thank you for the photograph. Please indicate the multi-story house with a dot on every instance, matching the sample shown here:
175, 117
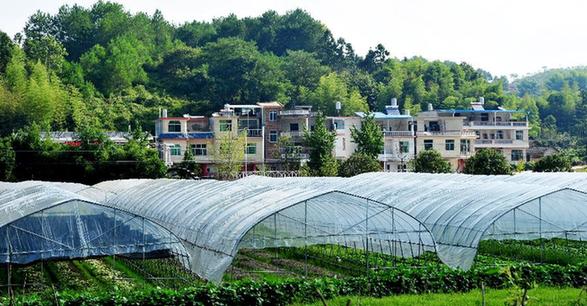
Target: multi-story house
500, 129
344, 146
246, 120
398, 135
258, 123
442, 131
177, 134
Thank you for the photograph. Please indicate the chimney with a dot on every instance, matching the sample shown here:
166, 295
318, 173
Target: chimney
393, 108
164, 113
430, 107
479, 104
407, 112
393, 102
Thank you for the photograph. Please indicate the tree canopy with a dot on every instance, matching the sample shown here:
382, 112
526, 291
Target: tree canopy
111, 68
430, 161
487, 162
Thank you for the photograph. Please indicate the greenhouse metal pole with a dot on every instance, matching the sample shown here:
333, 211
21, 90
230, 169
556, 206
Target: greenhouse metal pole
9, 272
143, 219
306, 238
367, 237
115, 245
540, 229
420, 244
393, 234
275, 236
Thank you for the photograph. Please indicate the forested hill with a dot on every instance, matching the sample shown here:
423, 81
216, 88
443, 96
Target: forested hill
104, 67
551, 80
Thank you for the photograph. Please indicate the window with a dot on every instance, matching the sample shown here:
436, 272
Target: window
198, 127
273, 136
404, 147
465, 146
294, 127
251, 124
484, 117
344, 144
485, 136
402, 168
199, 149
338, 124
433, 126
272, 116
174, 126
176, 150
499, 134
251, 149
449, 145
428, 144
519, 135
225, 125
517, 155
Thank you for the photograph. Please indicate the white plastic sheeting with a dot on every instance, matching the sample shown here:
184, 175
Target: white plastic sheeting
460, 209
215, 218
39, 221
394, 213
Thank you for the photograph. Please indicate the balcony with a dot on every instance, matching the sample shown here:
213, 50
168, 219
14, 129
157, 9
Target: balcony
295, 112
398, 133
394, 156
293, 134
448, 133
496, 125
253, 132
500, 143
300, 156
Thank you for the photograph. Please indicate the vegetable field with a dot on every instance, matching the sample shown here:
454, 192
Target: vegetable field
296, 275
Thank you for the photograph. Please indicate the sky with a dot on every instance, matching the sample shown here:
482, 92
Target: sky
504, 37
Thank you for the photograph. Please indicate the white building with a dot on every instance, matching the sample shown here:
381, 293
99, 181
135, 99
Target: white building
399, 138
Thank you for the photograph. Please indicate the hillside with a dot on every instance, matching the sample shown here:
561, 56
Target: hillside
103, 67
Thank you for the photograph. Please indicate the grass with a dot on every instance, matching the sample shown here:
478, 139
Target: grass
537, 296
556, 251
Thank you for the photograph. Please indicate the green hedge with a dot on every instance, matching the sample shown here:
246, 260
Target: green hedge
403, 280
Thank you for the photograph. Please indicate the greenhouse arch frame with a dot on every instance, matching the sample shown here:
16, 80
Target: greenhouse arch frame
42, 222
215, 219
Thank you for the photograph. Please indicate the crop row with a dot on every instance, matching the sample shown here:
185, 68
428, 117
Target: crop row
427, 279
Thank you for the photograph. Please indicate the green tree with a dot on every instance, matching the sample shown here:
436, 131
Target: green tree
487, 162
188, 168
369, 138
359, 163
229, 155
430, 161
7, 159
558, 162
117, 67
288, 153
332, 89
320, 142
6, 46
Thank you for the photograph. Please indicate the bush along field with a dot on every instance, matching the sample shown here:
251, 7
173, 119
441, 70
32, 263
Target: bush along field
281, 277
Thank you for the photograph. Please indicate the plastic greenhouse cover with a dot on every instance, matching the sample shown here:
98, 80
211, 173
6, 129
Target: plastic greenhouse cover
458, 209
41, 221
213, 217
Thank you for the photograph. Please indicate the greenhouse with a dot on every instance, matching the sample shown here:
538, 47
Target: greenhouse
215, 219
45, 221
207, 222
462, 210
